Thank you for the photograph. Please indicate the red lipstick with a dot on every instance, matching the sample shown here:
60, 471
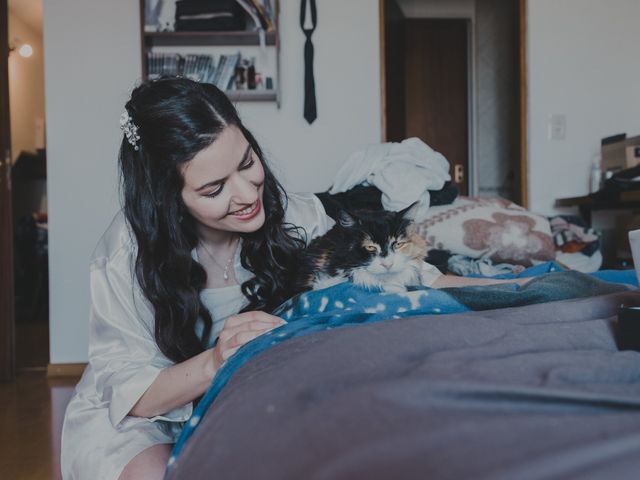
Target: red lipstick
248, 216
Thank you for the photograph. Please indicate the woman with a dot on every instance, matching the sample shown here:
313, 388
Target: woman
201, 237
206, 232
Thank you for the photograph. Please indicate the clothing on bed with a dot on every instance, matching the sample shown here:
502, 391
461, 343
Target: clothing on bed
346, 305
551, 287
363, 197
466, 266
404, 172
577, 245
98, 437
536, 392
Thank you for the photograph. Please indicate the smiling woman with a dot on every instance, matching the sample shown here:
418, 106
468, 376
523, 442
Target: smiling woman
206, 232
232, 201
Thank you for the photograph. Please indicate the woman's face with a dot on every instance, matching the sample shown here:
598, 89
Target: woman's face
223, 185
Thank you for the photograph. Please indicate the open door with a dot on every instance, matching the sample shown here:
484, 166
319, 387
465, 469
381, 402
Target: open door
7, 321
425, 80
431, 89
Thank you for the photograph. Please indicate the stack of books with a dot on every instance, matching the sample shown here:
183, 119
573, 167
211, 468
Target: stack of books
228, 73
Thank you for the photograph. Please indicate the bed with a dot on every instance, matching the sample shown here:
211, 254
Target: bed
434, 384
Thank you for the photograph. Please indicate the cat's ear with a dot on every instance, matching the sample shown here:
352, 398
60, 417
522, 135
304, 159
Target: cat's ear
345, 219
409, 212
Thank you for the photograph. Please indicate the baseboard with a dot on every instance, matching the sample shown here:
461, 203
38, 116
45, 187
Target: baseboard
65, 369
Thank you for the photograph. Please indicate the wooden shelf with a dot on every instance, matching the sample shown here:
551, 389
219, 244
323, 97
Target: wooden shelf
154, 39
252, 95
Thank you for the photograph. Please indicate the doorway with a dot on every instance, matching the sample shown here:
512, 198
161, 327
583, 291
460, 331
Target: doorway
453, 75
24, 245
7, 333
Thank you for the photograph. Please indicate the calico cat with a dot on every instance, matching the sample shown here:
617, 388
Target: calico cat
371, 249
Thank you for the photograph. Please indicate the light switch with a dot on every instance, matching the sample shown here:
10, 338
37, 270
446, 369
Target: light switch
557, 126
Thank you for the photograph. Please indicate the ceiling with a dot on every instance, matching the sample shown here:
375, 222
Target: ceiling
29, 11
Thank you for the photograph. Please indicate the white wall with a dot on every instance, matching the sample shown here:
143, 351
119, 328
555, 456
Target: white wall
92, 57
347, 74
26, 89
582, 58
90, 67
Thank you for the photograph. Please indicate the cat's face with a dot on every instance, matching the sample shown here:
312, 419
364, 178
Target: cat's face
383, 243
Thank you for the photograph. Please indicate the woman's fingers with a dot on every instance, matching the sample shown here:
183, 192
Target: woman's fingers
228, 353
242, 328
238, 340
245, 317
228, 332
241, 338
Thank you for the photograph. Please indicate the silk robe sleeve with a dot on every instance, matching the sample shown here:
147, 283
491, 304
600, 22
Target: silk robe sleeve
122, 348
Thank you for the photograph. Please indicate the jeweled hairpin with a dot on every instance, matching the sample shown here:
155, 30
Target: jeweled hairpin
130, 129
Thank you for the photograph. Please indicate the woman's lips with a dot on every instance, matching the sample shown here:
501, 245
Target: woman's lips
248, 213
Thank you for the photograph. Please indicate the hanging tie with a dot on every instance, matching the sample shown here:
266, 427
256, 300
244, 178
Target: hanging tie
310, 112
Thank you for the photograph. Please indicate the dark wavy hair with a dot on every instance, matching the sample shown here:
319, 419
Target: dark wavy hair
177, 118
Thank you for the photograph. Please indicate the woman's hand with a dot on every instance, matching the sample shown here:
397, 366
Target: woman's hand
240, 329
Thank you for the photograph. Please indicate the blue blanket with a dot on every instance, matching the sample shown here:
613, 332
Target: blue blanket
346, 305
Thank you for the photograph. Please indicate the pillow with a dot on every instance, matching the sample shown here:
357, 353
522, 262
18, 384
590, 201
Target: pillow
492, 228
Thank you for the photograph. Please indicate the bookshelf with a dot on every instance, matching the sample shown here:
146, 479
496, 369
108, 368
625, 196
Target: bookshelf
221, 43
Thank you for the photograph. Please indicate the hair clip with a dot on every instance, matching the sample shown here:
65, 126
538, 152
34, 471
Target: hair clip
130, 129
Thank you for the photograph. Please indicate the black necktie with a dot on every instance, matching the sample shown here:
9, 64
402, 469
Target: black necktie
310, 112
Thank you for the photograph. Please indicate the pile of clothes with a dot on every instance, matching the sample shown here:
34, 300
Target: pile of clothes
577, 245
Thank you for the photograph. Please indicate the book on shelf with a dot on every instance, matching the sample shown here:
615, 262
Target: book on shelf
228, 72
216, 76
159, 64
195, 67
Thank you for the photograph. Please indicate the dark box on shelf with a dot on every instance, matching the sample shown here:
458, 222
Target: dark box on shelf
619, 152
203, 16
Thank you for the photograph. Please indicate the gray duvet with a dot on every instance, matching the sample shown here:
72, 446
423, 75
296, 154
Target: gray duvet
535, 392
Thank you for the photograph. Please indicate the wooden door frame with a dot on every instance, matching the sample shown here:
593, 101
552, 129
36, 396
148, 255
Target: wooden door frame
523, 93
383, 73
523, 180
7, 312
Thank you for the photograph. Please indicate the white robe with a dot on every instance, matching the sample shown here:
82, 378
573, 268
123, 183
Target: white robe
98, 437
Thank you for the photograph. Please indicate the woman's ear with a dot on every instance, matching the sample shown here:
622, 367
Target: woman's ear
345, 219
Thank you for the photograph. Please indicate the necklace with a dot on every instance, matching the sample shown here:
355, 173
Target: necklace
225, 268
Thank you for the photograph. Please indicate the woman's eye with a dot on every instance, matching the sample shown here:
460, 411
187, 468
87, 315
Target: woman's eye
248, 164
215, 192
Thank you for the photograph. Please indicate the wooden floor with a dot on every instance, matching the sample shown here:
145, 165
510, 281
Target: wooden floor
31, 414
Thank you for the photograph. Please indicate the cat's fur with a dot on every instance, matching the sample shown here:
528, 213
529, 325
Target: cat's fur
372, 249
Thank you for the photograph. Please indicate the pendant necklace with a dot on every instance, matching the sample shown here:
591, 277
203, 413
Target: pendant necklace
225, 269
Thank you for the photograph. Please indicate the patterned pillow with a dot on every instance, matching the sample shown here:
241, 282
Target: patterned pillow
492, 228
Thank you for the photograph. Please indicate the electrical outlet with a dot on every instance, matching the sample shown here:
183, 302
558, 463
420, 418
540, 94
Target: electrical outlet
557, 126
